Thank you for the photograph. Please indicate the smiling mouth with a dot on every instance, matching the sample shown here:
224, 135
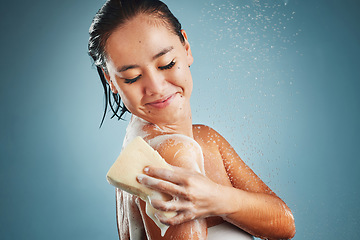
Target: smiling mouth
162, 103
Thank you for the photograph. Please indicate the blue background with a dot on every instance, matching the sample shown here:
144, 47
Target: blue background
279, 79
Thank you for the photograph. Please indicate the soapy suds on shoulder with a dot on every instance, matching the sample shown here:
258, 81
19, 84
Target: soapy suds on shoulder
187, 143
136, 128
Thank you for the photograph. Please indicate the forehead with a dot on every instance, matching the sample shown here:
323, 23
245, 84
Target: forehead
140, 38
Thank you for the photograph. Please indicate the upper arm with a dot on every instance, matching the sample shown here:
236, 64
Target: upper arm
240, 175
180, 151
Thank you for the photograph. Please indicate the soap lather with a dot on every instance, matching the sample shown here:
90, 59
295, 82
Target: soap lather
130, 164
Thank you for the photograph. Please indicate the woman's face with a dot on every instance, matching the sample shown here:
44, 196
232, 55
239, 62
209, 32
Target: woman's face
148, 66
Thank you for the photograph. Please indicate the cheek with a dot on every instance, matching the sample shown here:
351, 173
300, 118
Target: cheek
128, 98
183, 77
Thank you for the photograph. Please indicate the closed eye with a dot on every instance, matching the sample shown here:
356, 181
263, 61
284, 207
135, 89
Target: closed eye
168, 66
132, 80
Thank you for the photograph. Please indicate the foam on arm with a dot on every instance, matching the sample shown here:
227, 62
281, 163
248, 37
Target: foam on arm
130, 163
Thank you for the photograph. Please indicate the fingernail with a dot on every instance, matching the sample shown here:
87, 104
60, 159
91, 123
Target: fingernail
140, 177
146, 169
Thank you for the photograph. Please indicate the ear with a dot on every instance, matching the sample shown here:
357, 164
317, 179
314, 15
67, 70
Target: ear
187, 48
109, 81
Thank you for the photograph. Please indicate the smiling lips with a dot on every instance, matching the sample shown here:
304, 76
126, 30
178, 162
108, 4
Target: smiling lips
162, 103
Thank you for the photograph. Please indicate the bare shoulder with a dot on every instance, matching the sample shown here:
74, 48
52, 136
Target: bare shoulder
203, 129
179, 150
172, 141
242, 176
207, 136
211, 139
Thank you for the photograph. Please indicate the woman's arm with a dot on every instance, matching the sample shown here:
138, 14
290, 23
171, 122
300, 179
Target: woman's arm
182, 152
251, 205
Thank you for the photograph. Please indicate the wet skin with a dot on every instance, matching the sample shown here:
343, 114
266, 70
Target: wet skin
149, 67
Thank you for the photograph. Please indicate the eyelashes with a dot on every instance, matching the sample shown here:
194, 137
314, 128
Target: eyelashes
166, 67
130, 81
169, 66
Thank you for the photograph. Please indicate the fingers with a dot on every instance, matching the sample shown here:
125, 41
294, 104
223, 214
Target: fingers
185, 186
178, 219
176, 176
175, 205
160, 185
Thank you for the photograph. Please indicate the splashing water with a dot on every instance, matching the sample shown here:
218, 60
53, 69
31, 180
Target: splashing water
245, 45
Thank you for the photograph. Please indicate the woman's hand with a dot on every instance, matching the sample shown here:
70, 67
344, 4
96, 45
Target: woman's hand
194, 195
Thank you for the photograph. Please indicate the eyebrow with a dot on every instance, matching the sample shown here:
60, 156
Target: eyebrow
127, 67
163, 52
131, 66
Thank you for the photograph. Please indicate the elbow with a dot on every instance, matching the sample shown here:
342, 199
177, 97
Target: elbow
290, 232
286, 232
289, 229
288, 223
286, 227
283, 229
292, 229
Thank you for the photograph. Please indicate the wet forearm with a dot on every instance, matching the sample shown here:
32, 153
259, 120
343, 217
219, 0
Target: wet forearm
260, 214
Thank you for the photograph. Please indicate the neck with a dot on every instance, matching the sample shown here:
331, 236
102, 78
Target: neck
181, 124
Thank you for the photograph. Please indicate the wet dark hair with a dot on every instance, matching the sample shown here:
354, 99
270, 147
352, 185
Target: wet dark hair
113, 14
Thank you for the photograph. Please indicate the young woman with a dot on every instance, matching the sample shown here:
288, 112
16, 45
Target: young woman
143, 56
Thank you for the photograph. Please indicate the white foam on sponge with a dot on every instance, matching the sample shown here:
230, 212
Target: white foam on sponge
130, 163
134, 130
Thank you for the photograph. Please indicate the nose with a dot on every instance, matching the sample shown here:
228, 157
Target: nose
154, 83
